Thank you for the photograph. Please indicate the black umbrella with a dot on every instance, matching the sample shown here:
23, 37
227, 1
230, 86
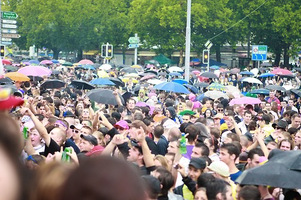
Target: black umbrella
82, 85
53, 84
36, 78
55, 72
296, 92
209, 75
104, 96
118, 82
201, 84
275, 87
151, 72
129, 70
6, 81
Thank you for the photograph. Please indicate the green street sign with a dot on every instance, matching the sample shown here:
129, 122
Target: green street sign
133, 40
9, 15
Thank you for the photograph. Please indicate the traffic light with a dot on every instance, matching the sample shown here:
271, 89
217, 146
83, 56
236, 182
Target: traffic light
2, 51
110, 51
205, 56
104, 50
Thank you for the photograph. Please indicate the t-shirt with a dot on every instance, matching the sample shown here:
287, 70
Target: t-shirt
234, 176
52, 148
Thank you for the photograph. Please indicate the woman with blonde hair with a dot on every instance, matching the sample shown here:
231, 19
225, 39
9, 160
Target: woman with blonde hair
161, 161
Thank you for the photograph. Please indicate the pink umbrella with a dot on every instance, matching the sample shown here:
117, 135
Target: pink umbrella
46, 62
35, 71
148, 77
279, 71
6, 62
86, 62
245, 100
196, 72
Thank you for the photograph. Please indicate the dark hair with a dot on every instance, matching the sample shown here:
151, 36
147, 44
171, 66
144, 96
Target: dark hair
213, 142
204, 148
158, 131
249, 192
247, 112
231, 148
215, 186
192, 132
255, 151
116, 115
166, 179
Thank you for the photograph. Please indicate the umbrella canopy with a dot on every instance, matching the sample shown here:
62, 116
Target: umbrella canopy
35, 71
6, 81
105, 67
275, 87
83, 85
154, 81
192, 88
36, 78
245, 100
102, 74
102, 81
209, 75
131, 75
196, 72
35, 62
215, 94
252, 80
216, 86
172, 87
86, 62
55, 61
17, 76
148, 77
10, 68
175, 74
129, 70
215, 67
296, 92
104, 96
6, 62
175, 69
201, 84
265, 75
260, 91
136, 66
234, 71
53, 84
125, 80
180, 81
90, 67
118, 82
247, 73
281, 72
67, 64
46, 62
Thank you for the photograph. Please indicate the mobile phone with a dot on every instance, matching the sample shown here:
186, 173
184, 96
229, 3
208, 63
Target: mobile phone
176, 166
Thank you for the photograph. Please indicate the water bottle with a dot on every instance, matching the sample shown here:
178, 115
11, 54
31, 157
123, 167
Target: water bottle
183, 149
25, 132
65, 156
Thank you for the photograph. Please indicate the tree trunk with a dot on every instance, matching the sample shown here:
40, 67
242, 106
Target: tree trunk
286, 55
79, 55
278, 56
181, 58
56, 53
123, 55
218, 53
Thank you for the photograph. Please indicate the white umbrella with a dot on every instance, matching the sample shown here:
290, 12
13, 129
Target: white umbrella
252, 80
105, 67
215, 94
154, 81
131, 75
175, 69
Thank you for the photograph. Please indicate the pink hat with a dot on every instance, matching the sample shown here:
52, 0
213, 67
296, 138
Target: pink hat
122, 124
191, 97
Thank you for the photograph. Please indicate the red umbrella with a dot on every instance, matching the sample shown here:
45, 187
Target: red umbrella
6, 62
280, 72
86, 62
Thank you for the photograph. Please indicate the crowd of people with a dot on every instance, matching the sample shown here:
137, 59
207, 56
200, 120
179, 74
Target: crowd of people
58, 144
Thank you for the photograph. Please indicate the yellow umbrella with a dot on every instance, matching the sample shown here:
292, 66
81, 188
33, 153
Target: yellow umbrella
125, 80
102, 74
17, 76
136, 66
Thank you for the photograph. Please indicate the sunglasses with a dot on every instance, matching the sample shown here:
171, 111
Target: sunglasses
220, 110
75, 131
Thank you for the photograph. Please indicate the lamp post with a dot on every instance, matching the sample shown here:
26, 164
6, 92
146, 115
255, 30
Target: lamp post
187, 46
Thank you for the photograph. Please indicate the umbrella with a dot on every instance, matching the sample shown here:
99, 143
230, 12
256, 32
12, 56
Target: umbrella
196, 72
265, 75
192, 88
216, 86
260, 91
244, 100
102, 81
131, 75
163, 74
154, 81
55, 61
201, 84
136, 66
172, 87
215, 94
275, 87
102, 74
67, 64
86, 62
6, 62
175, 74
10, 68
46, 62
234, 71
90, 67
251, 80
36, 78
175, 69
215, 67
83, 85
17, 76
200, 97
125, 80
6, 81
296, 92
53, 84
148, 77
35, 62
180, 81
209, 75
56, 72
118, 82
280, 72
151, 72
35, 71
129, 70
103, 96
247, 73
105, 67
266, 64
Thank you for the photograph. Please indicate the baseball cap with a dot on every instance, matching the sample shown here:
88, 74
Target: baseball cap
198, 163
220, 168
89, 138
122, 124
77, 126
68, 114
282, 124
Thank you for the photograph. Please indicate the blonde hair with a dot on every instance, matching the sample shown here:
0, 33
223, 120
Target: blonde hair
162, 160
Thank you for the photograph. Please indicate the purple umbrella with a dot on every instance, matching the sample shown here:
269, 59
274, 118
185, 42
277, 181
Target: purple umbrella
35, 71
245, 100
46, 62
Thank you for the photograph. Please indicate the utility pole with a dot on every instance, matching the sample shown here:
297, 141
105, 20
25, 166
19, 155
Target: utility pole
187, 46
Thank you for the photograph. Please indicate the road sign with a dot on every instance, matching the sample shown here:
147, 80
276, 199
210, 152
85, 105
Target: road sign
133, 40
5, 21
9, 31
9, 15
6, 39
133, 45
259, 52
10, 35
9, 26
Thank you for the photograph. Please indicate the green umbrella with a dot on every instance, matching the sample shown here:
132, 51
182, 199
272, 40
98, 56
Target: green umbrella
67, 64
216, 86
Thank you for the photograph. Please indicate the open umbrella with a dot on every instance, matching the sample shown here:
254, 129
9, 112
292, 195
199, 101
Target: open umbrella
86, 62
209, 75
46, 62
245, 100
129, 70
172, 87
192, 88
6, 62
215, 67
67, 64
10, 68
118, 82
246, 73
90, 67
102, 74
175, 69
17, 76
5, 81
234, 71
148, 77
35, 71
265, 75
215, 94
260, 91
34, 62
53, 84
252, 80
131, 75
281, 72
296, 92
55, 61
180, 81
201, 84
174, 74
102, 81
275, 87
103, 96
216, 86
36, 78
105, 67
154, 81
83, 85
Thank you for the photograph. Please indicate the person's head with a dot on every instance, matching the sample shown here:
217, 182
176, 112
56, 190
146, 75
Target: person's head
33, 162
58, 135
196, 168
208, 104
200, 194
161, 161
87, 143
211, 143
291, 102
186, 118
35, 137
192, 132
286, 145
218, 189
158, 131
152, 186
249, 192
131, 103
247, 117
166, 179
135, 154
173, 146
254, 157
200, 150
228, 153
268, 106
87, 130
272, 94
298, 139
271, 145
208, 113
296, 120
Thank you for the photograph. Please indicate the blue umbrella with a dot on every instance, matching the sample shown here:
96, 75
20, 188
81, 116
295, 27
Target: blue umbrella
260, 91
215, 67
200, 97
55, 61
265, 75
102, 81
180, 81
172, 87
247, 73
34, 62
192, 88
175, 74
88, 67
